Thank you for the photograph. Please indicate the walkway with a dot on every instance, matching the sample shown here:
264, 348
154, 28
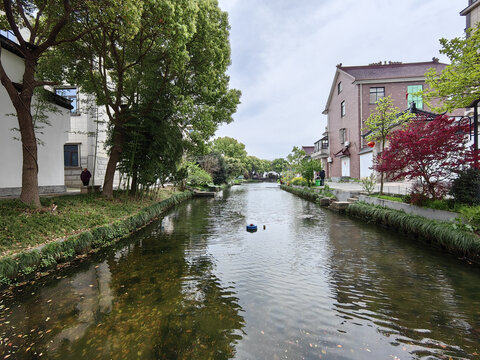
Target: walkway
401, 188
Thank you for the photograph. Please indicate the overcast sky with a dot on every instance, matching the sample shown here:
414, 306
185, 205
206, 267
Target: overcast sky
284, 54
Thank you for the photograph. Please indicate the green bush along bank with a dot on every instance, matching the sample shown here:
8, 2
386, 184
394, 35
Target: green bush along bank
25, 265
447, 235
308, 193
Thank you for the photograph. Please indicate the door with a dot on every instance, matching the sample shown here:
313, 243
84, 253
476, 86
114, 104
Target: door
345, 166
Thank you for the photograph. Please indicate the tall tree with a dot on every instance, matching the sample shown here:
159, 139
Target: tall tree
38, 27
230, 147
157, 61
279, 165
381, 122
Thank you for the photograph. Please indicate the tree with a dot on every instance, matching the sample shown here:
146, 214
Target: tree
230, 147
308, 167
161, 61
430, 150
457, 85
295, 157
279, 165
38, 27
381, 122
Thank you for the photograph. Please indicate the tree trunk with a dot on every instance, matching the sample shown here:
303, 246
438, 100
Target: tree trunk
112, 163
29, 194
133, 188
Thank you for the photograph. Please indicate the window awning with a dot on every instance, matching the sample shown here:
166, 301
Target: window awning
343, 152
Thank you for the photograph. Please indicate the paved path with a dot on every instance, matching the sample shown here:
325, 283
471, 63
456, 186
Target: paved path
401, 188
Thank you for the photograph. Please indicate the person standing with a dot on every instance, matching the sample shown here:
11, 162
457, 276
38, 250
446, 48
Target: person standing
322, 177
85, 177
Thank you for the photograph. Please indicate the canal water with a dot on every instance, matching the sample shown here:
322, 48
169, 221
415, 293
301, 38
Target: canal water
196, 285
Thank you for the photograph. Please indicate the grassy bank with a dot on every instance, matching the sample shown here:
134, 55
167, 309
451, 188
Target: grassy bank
79, 224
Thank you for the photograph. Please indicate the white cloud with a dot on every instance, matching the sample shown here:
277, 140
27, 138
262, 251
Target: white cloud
284, 55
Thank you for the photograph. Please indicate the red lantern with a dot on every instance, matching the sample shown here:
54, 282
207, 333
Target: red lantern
371, 144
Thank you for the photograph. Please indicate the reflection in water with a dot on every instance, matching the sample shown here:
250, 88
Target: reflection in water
196, 285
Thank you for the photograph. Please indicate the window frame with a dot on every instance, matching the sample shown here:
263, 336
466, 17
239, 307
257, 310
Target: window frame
417, 98
69, 163
339, 87
342, 135
343, 109
72, 98
376, 93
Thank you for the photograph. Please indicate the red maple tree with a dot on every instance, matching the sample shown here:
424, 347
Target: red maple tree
433, 151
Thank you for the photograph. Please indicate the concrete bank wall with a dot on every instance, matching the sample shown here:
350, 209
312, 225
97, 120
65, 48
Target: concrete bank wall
433, 214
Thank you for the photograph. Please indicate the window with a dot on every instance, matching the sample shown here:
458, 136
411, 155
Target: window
376, 93
412, 91
339, 87
70, 94
342, 108
342, 133
70, 155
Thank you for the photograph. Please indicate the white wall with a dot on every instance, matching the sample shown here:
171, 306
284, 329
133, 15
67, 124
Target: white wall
50, 155
366, 161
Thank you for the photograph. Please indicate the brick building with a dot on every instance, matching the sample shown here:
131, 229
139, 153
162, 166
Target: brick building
353, 94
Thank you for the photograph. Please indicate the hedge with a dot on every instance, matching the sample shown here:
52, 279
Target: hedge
455, 240
25, 265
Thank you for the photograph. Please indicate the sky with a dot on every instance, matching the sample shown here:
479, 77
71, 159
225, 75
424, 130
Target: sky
285, 52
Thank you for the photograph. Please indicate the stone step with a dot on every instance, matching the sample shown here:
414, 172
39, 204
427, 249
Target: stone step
324, 201
339, 206
352, 199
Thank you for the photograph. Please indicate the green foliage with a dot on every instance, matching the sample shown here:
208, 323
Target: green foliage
457, 85
368, 183
25, 263
279, 165
466, 187
294, 158
197, 176
299, 181
471, 214
229, 147
308, 167
447, 235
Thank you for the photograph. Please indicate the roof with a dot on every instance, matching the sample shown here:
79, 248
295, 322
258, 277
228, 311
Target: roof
381, 72
392, 70
308, 149
469, 8
14, 48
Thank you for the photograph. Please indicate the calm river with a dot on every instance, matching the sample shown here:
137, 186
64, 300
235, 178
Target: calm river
196, 285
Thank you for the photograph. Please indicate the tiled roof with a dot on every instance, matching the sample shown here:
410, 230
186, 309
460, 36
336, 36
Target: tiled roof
391, 71
308, 149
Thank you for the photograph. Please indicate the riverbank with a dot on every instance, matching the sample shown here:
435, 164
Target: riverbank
447, 235
34, 241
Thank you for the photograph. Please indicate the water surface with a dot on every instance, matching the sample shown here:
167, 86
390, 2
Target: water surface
196, 285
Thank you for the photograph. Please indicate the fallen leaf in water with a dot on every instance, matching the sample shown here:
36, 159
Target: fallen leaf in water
47, 319
262, 332
339, 346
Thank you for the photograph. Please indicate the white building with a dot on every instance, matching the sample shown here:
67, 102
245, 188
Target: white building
85, 144
52, 137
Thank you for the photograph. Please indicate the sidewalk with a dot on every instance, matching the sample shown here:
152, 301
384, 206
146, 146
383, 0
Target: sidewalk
400, 188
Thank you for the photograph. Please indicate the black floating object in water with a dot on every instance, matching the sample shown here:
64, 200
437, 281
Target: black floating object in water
264, 227
251, 228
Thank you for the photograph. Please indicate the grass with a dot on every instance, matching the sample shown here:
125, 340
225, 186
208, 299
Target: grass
386, 197
22, 227
27, 264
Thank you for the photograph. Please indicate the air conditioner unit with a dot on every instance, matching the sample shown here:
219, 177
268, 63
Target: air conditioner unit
329, 159
347, 143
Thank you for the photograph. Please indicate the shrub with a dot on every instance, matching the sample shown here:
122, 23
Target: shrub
368, 183
299, 181
466, 188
